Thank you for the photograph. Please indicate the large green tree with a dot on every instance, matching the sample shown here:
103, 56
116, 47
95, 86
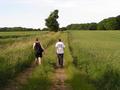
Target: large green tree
51, 21
109, 24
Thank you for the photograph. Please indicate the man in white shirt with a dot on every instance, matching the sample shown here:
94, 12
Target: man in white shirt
60, 51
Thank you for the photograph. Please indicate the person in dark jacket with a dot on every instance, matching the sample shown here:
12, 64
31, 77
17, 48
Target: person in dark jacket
38, 51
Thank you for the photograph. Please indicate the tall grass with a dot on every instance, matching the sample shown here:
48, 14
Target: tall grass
97, 54
17, 57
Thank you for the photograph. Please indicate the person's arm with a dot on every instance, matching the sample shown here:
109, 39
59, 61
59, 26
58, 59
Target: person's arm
42, 46
56, 45
33, 45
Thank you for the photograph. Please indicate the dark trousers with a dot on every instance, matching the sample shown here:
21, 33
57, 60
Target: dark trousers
60, 59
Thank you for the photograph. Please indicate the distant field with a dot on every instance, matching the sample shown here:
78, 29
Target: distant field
92, 59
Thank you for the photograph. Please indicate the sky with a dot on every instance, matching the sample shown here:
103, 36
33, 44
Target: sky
32, 13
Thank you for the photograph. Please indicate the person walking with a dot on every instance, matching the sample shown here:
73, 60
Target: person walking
60, 52
38, 51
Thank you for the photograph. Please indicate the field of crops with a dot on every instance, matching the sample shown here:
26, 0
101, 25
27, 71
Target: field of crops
97, 55
91, 59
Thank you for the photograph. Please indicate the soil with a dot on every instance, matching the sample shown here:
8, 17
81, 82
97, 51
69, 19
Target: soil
21, 79
58, 80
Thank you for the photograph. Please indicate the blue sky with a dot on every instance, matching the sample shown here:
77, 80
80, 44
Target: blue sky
32, 13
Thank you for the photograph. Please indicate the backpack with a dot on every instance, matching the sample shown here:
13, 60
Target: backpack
38, 48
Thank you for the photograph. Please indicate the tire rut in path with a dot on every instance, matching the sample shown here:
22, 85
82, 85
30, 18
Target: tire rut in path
21, 79
58, 80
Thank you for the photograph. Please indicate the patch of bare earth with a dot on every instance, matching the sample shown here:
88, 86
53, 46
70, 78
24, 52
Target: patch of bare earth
58, 80
20, 80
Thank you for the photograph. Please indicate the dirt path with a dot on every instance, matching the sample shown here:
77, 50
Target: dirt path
58, 80
21, 79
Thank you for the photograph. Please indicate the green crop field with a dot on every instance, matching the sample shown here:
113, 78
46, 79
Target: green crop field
92, 59
97, 56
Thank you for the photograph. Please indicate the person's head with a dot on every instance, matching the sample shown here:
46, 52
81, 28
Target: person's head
36, 39
59, 40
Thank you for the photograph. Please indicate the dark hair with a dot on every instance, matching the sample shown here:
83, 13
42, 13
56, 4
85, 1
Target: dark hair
59, 40
36, 39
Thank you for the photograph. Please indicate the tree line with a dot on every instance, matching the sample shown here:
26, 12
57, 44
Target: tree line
112, 23
18, 29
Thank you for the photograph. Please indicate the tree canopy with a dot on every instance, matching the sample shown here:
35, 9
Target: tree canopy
112, 23
51, 21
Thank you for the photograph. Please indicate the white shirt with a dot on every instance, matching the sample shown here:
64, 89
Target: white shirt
60, 47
